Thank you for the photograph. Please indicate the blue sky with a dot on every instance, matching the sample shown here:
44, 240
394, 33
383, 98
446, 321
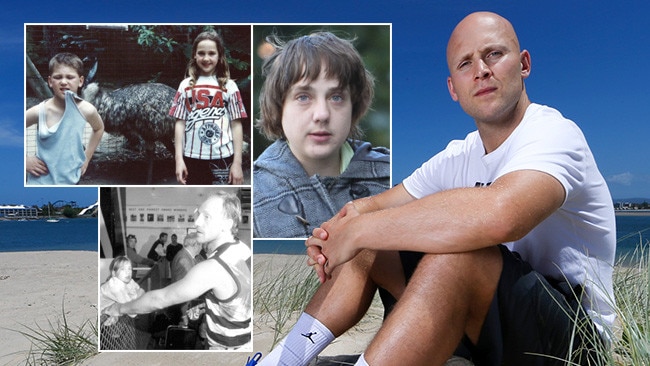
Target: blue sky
588, 60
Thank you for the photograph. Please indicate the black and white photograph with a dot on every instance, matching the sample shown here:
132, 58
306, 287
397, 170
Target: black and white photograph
170, 285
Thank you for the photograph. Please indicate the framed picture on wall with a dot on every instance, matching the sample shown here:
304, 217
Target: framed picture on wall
160, 216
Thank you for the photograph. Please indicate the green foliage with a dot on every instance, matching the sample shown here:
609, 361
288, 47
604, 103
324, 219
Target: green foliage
164, 40
148, 38
70, 212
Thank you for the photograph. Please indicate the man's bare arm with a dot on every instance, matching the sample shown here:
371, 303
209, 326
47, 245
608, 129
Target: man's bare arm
201, 278
457, 220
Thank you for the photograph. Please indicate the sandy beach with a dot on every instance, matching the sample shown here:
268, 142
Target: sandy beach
37, 286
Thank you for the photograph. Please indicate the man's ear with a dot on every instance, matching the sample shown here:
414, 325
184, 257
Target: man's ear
452, 92
525, 64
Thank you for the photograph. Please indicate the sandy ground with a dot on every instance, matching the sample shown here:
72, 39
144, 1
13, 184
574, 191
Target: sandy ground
38, 287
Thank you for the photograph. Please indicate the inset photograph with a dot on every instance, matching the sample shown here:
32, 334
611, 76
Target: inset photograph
322, 135
122, 104
181, 283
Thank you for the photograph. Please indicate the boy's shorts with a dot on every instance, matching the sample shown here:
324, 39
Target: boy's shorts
531, 320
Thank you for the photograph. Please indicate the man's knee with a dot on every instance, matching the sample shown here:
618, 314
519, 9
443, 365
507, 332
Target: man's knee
474, 268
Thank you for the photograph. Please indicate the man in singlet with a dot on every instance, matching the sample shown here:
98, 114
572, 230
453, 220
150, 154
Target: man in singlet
224, 278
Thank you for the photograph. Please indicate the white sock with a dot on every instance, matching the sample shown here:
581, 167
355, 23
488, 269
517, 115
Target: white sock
306, 340
361, 361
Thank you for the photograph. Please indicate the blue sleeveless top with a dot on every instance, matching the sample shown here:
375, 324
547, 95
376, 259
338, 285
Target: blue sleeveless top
61, 146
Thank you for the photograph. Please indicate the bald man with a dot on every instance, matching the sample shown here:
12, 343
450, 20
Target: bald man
497, 248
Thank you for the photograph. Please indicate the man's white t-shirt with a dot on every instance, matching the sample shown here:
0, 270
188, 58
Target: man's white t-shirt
578, 241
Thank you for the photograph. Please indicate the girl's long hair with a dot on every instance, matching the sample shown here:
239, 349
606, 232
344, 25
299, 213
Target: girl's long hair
222, 70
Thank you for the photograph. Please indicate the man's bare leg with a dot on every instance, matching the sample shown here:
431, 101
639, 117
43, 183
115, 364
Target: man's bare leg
338, 305
448, 296
341, 302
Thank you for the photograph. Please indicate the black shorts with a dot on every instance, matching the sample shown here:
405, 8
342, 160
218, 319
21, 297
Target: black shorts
531, 321
208, 172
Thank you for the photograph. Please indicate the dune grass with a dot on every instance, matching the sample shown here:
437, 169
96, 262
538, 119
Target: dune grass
59, 344
280, 293
630, 336
631, 344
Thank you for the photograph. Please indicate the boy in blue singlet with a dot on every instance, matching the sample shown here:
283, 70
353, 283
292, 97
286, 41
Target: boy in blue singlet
61, 157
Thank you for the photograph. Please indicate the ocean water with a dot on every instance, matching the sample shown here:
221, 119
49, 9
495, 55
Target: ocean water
39, 235
81, 234
630, 231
